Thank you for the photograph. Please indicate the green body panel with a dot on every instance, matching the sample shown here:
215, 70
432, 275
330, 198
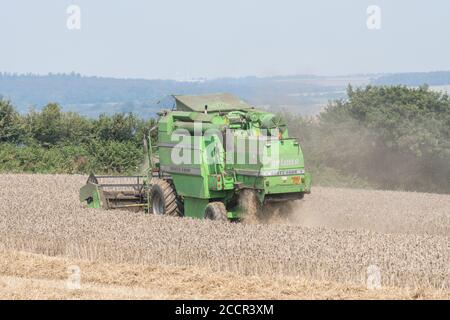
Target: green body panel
95, 200
91, 194
195, 207
191, 186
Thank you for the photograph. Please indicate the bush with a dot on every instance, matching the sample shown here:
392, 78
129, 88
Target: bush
390, 137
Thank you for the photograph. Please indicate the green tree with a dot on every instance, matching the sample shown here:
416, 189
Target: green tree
115, 157
395, 137
10, 123
46, 127
119, 127
76, 129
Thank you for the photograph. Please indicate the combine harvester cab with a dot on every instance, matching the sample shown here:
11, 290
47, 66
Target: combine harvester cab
218, 158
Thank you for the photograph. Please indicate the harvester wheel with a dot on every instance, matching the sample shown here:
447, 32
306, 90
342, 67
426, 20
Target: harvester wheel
216, 211
164, 199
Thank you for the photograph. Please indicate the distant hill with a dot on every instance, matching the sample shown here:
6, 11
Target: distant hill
94, 95
91, 96
436, 78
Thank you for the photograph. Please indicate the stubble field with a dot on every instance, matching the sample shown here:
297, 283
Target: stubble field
327, 244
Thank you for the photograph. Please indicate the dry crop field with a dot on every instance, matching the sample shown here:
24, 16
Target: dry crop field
321, 250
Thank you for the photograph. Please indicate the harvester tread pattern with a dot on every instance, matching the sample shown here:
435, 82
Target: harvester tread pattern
216, 211
172, 205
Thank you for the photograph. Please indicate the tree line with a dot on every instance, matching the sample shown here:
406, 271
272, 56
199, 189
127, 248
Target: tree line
53, 141
390, 137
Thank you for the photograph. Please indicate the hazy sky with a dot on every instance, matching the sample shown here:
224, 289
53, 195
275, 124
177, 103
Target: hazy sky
209, 38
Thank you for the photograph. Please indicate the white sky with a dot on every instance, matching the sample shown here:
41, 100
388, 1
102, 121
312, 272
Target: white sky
209, 38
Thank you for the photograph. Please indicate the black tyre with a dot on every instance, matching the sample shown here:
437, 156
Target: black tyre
216, 211
164, 199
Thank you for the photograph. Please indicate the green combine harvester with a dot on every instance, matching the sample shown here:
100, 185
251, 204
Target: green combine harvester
216, 157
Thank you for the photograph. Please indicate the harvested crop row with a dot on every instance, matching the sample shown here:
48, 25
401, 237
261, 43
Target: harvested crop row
375, 210
35, 276
41, 213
